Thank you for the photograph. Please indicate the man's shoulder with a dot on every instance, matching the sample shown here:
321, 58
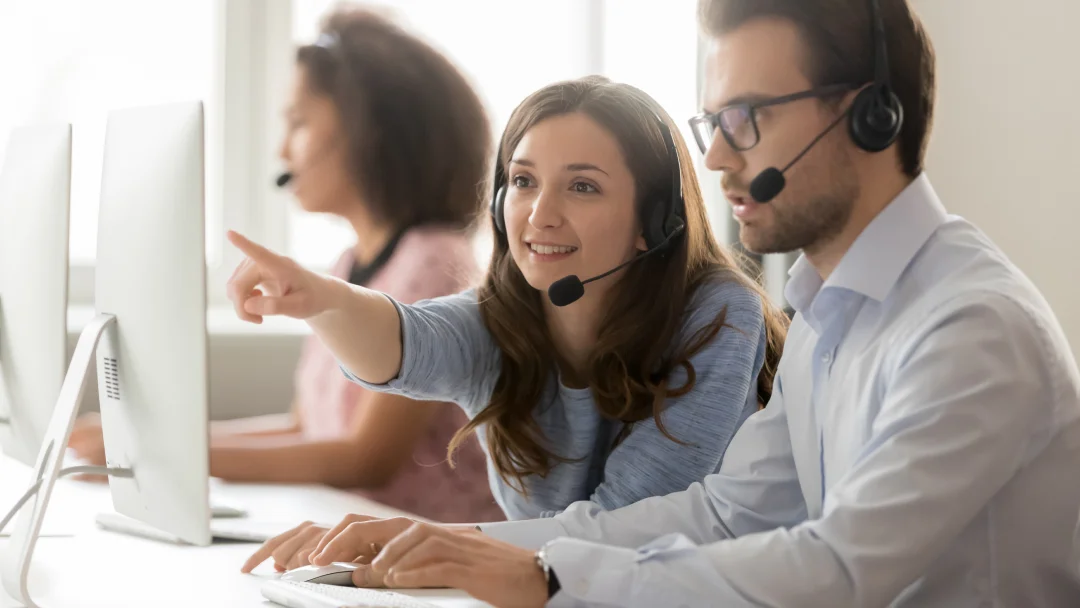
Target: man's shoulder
961, 274
960, 266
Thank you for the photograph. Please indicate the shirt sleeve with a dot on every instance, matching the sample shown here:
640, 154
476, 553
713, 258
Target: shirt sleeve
967, 405
447, 352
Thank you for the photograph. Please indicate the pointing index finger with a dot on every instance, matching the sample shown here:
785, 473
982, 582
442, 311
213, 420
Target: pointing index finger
253, 250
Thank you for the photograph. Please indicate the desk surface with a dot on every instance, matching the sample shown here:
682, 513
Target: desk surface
98, 569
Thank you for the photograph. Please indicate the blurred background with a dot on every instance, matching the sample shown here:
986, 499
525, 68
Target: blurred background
1003, 152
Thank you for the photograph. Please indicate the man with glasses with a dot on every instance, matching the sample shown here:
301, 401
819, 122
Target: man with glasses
922, 444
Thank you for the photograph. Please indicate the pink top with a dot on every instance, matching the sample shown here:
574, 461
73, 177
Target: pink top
427, 263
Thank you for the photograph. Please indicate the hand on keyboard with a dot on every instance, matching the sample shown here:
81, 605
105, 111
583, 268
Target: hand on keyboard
408, 554
434, 556
358, 538
290, 549
305, 544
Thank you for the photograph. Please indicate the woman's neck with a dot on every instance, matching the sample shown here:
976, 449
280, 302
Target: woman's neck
371, 236
574, 330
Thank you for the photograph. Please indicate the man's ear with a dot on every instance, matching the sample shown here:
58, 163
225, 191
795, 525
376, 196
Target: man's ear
847, 101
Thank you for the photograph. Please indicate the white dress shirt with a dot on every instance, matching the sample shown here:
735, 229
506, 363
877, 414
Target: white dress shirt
921, 448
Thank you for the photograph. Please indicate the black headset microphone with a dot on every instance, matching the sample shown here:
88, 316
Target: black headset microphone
662, 222
877, 115
770, 182
283, 180
568, 290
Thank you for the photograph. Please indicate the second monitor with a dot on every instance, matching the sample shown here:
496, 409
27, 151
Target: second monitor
35, 184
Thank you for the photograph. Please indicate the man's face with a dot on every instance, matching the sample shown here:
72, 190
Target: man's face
763, 59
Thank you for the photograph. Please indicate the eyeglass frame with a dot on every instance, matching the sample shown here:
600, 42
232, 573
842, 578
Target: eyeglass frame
751, 108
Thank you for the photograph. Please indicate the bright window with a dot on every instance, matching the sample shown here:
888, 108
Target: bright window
74, 61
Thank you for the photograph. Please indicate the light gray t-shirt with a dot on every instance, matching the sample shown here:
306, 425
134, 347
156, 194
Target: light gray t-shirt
449, 355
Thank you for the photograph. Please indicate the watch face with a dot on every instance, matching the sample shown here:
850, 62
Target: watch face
541, 562
549, 575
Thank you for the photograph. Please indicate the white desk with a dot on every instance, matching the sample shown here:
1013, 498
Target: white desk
100, 569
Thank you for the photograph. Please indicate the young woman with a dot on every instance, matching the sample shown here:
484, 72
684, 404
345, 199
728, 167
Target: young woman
634, 389
384, 132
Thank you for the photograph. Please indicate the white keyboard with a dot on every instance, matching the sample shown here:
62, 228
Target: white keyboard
312, 595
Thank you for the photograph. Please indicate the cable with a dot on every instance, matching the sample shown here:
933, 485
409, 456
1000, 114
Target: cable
19, 503
74, 470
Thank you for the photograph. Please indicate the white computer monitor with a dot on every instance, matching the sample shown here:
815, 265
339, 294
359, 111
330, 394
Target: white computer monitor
148, 339
152, 368
35, 186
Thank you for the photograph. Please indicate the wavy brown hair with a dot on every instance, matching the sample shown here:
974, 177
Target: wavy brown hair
635, 352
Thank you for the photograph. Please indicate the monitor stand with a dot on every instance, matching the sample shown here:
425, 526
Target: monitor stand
15, 563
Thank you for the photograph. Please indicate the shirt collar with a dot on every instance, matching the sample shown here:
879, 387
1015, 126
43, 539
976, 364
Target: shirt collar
877, 258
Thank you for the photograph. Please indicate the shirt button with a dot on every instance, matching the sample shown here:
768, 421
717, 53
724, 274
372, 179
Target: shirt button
826, 357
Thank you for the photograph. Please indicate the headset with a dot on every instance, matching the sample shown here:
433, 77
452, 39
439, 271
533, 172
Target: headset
663, 219
876, 115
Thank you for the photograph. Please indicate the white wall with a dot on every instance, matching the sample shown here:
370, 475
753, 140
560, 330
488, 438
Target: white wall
1005, 152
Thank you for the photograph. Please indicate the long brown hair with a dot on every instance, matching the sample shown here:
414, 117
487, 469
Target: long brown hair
402, 105
633, 356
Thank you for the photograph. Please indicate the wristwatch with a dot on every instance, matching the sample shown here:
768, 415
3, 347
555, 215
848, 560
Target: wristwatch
549, 574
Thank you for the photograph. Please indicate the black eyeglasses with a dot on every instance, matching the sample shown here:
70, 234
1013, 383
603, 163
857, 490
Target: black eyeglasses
738, 122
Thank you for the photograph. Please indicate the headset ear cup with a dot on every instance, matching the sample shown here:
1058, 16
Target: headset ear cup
877, 117
674, 224
497, 210
653, 226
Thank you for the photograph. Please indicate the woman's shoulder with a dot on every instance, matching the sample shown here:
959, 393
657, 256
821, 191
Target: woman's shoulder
724, 331
741, 304
429, 262
437, 244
